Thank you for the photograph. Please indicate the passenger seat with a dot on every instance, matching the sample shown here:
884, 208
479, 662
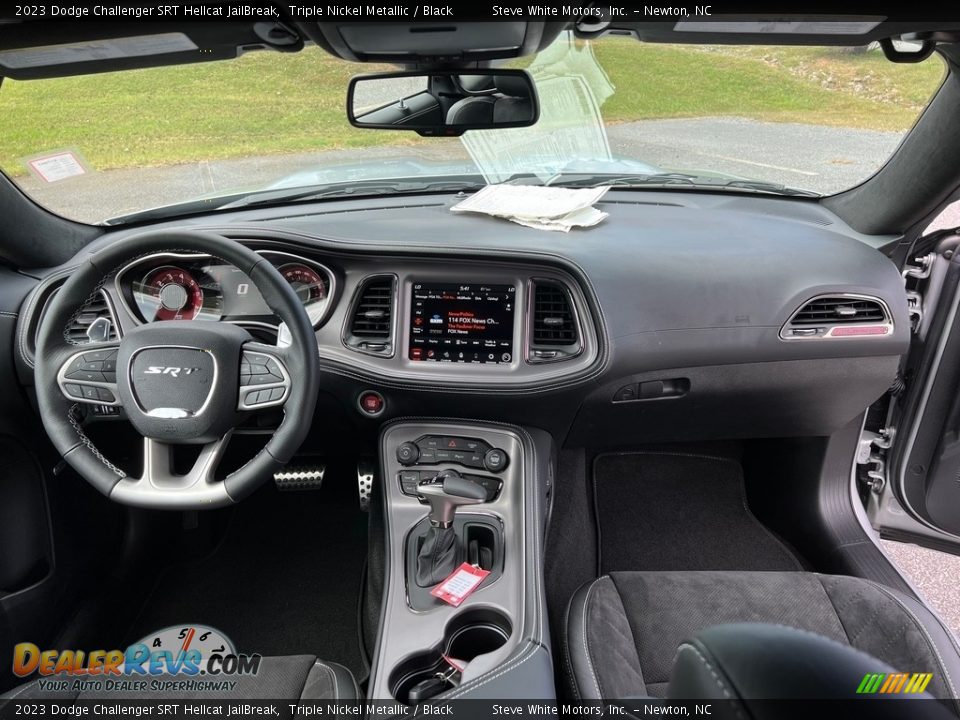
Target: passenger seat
624, 629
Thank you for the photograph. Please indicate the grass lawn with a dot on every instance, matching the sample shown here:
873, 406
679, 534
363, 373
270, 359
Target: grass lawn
267, 103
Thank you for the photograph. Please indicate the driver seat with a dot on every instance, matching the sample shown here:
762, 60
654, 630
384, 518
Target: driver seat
288, 677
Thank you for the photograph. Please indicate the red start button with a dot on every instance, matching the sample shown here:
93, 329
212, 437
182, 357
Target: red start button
372, 403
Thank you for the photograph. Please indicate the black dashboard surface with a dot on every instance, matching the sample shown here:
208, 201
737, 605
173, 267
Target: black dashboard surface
674, 281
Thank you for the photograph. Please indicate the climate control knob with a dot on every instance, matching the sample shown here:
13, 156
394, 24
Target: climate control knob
496, 460
407, 453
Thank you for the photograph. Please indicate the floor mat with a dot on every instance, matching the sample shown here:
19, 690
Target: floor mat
285, 580
661, 511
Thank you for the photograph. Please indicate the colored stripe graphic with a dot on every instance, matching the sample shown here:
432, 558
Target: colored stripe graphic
894, 683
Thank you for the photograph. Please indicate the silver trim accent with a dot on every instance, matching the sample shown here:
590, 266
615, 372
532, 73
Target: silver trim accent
206, 401
285, 384
63, 380
159, 487
831, 326
318, 318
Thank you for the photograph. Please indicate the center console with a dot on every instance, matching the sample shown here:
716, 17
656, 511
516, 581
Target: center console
456, 492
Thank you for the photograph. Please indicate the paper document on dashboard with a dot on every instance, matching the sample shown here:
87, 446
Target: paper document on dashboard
543, 208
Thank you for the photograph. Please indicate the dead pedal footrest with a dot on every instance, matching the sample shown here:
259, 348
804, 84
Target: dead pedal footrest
300, 477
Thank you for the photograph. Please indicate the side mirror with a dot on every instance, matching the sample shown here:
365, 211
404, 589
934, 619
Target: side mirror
443, 103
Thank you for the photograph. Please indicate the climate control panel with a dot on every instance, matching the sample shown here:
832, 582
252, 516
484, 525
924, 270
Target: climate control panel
464, 451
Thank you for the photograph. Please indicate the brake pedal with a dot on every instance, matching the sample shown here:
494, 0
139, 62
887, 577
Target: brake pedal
300, 477
365, 478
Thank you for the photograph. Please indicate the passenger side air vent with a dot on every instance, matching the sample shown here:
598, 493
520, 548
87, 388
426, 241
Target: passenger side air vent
96, 310
554, 332
371, 322
839, 316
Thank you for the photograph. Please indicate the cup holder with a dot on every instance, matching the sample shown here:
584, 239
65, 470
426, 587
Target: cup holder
472, 633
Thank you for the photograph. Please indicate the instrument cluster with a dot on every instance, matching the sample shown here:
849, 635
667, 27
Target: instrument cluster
179, 286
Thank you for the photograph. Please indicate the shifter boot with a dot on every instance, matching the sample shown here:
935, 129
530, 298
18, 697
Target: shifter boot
437, 557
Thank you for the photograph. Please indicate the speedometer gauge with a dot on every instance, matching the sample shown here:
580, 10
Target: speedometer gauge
306, 282
169, 293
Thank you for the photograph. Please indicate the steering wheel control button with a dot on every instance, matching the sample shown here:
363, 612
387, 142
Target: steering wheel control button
73, 390
496, 460
407, 453
262, 371
90, 377
371, 403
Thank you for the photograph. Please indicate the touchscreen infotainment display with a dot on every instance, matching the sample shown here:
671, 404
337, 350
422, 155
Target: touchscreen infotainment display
462, 323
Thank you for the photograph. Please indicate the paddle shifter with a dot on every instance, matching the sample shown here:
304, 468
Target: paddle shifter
445, 492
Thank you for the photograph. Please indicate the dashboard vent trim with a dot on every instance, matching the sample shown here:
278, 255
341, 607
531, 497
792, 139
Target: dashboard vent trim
371, 320
842, 315
555, 331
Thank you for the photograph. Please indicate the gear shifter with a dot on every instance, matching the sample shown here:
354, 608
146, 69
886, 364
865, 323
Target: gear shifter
437, 557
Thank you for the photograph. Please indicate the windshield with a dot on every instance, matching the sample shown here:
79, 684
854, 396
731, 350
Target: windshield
268, 125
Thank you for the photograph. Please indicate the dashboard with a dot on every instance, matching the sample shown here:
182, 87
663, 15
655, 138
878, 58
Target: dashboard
683, 315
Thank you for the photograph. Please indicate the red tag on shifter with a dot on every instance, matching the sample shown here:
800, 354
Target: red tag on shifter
458, 586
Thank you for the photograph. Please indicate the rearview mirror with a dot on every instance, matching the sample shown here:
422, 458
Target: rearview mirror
443, 102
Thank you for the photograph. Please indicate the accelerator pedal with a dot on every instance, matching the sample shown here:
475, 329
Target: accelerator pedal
365, 478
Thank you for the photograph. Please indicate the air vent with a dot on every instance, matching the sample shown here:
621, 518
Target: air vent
554, 332
836, 310
91, 312
839, 316
371, 323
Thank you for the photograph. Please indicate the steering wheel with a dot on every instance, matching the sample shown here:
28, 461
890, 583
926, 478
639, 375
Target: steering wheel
180, 382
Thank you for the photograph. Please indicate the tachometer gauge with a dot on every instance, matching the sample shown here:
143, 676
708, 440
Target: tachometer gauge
306, 282
168, 293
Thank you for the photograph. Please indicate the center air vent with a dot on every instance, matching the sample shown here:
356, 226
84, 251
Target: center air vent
371, 322
839, 316
554, 332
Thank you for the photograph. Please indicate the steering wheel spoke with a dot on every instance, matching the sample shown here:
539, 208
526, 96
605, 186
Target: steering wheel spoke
90, 375
264, 379
161, 486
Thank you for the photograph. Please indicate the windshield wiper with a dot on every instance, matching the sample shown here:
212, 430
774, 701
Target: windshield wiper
281, 196
677, 179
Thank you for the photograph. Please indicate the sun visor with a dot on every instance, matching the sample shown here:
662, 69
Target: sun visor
57, 49
451, 43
